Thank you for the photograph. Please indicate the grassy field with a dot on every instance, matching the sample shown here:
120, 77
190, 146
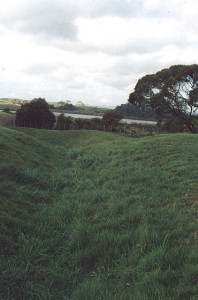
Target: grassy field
95, 215
12, 104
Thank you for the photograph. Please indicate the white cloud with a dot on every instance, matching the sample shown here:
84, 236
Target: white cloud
116, 36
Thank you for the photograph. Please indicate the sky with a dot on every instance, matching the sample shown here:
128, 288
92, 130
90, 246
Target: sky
92, 51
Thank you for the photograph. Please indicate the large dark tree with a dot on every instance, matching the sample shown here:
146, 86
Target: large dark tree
173, 90
35, 114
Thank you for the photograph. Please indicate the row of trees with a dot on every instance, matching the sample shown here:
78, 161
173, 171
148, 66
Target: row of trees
110, 119
36, 114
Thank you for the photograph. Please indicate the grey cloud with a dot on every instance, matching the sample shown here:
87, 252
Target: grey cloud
75, 85
118, 83
122, 8
128, 8
127, 70
127, 66
56, 19
47, 18
70, 79
40, 69
47, 28
138, 46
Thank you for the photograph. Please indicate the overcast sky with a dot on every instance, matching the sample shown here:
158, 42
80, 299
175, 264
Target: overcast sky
91, 50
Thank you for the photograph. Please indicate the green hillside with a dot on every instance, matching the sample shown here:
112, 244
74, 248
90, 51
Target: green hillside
95, 215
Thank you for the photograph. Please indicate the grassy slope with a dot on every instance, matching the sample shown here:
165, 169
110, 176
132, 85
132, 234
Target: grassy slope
94, 215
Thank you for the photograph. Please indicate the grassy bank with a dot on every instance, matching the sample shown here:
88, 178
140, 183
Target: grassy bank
95, 215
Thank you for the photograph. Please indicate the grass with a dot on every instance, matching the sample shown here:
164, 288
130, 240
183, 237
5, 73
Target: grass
95, 215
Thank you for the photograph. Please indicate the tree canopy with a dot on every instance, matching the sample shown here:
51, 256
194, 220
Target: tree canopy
173, 90
62, 122
112, 118
35, 114
67, 106
136, 111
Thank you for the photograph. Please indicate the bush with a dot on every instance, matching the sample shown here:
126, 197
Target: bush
35, 114
81, 123
112, 118
63, 123
6, 110
97, 123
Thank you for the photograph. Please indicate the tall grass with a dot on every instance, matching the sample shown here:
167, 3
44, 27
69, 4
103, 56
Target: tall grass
94, 215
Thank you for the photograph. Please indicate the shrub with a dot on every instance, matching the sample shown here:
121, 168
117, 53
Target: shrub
6, 110
112, 118
35, 114
63, 123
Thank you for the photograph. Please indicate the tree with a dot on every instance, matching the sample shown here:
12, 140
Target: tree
173, 90
51, 106
97, 123
6, 110
136, 111
172, 125
67, 107
112, 118
63, 123
35, 114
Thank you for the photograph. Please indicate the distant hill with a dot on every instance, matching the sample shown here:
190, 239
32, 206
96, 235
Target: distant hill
11, 103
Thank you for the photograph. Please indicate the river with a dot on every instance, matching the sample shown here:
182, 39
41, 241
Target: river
128, 121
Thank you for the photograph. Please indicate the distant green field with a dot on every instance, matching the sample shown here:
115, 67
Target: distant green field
96, 215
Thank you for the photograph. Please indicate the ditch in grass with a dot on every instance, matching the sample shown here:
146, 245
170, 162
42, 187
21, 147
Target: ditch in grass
94, 215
